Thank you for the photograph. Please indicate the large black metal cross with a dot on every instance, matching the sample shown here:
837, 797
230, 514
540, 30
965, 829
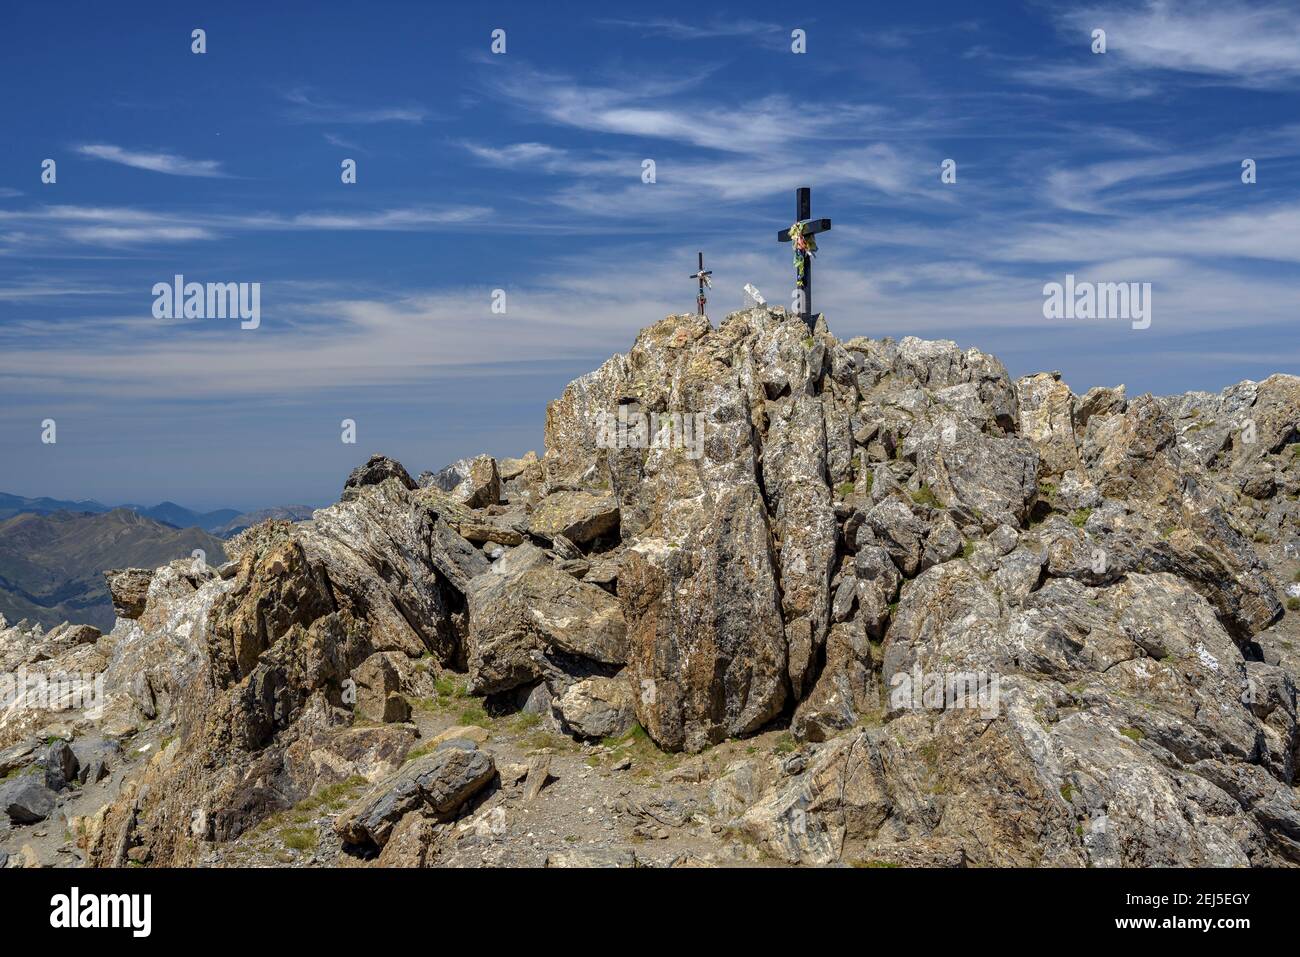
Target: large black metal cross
703, 276
807, 227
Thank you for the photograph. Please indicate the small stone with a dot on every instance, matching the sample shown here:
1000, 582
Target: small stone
61, 766
539, 767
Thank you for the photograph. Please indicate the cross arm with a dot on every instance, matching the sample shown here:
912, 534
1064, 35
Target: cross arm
810, 227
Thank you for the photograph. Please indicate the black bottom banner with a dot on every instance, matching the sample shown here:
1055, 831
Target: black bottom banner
337, 907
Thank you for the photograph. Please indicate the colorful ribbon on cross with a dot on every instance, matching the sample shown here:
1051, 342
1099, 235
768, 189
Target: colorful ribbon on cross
803, 246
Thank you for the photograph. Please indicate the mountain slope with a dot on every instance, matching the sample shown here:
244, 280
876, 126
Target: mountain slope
51, 566
11, 505
178, 515
238, 523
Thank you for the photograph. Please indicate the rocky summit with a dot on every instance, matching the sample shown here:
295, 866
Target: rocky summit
767, 598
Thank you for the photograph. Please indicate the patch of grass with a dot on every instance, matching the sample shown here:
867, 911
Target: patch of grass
449, 686
1067, 792
419, 752
540, 738
300, 838
475, 715
845, 489
1080, 516
871, 480
1133, 734
427, 705
333, 796
925, 496
876, 862
1293, 604
873, 718
636, 734
808, 342
967, 550
1047, 490
525, 721
930, 753
1263, 538
1296, 576
785, 744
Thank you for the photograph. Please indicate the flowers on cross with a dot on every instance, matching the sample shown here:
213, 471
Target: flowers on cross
804, 245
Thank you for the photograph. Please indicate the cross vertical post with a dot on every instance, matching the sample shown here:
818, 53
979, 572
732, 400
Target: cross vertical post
803, 212
802, 234
703, 277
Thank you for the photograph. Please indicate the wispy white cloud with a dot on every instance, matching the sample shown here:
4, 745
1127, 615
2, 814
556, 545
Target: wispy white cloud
120, 226
1266, 233
640, 107
518, 154
130, 235
730, 28
333, 139
168, 163
307, 108
1252, 46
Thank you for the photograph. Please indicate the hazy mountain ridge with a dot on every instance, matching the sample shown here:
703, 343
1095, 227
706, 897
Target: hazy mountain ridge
52, 565
222, 522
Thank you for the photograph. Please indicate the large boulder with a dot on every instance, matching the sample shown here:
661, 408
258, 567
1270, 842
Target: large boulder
581, 517
524, 608
436, 784
597, 708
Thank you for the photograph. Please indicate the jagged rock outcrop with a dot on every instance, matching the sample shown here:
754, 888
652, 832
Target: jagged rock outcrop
1004, 624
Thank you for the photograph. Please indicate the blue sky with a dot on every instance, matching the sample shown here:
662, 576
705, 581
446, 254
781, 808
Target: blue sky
523, 172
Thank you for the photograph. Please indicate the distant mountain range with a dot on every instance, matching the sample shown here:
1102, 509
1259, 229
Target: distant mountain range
222, 522
53, 553
52, 566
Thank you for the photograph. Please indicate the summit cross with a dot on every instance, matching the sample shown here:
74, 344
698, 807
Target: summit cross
801, 233
703, 277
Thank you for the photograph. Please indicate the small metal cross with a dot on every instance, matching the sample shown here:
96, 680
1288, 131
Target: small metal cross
703, 277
